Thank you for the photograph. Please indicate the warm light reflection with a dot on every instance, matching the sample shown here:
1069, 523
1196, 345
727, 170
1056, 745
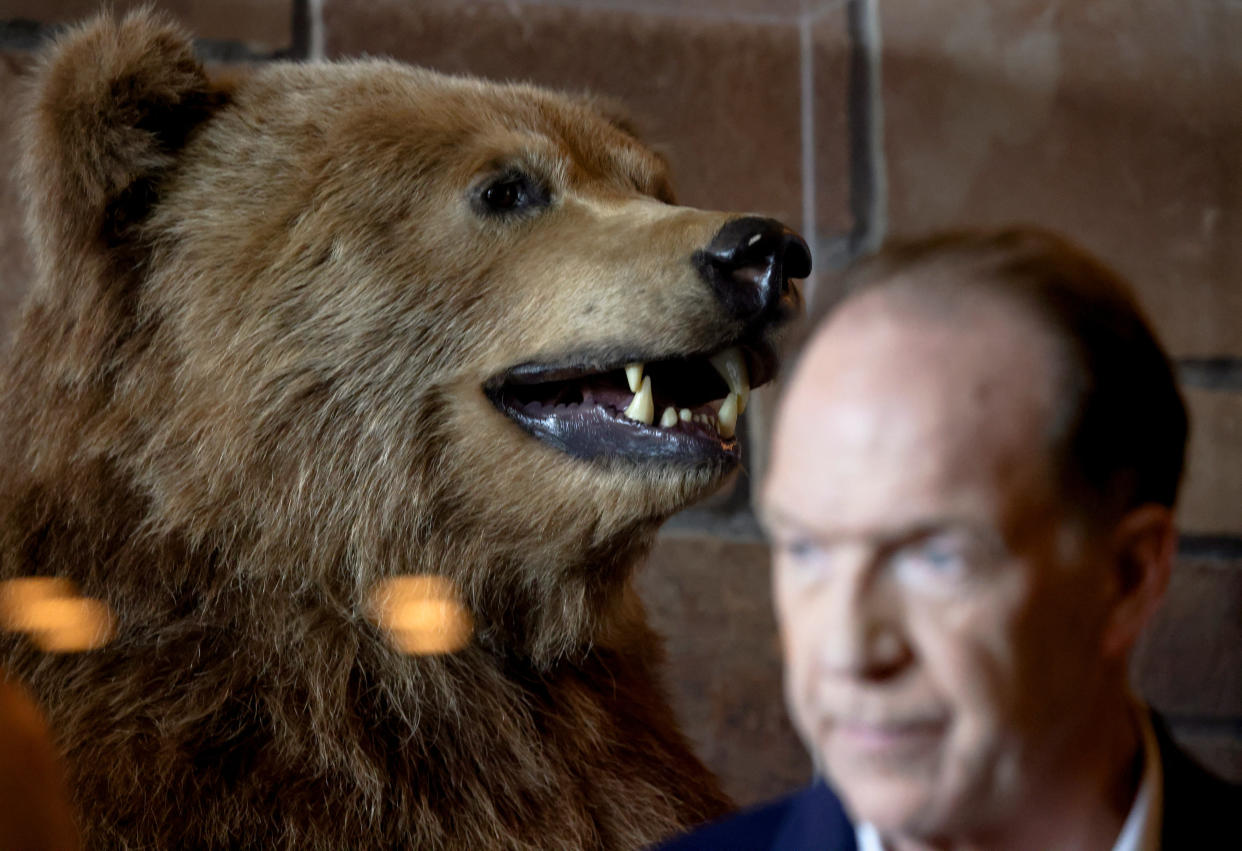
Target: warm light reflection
422, 614
56, 618
20, 598
73, 625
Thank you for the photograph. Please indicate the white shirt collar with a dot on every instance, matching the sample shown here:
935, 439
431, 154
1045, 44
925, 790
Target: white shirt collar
867, 837
1141, 830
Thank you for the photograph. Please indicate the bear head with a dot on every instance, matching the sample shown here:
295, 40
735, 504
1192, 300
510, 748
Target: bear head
331, 322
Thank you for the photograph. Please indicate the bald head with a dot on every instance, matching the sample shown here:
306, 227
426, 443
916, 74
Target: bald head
1117, 431
895, 398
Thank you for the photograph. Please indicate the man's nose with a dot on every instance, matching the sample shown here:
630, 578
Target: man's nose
748, 265
863, 634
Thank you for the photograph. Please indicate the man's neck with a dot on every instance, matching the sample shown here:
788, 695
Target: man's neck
1085, 798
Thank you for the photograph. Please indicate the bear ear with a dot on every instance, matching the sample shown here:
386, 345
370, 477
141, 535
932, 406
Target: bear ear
112, 104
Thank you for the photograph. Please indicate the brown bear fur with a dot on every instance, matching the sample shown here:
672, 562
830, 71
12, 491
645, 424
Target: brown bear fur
246, 386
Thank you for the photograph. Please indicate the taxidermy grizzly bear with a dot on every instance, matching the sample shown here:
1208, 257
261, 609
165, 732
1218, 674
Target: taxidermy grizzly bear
298, 333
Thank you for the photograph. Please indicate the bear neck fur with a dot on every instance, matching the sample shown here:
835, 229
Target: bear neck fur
227, 685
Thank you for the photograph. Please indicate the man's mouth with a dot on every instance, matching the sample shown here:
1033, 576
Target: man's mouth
888, 736
681, 409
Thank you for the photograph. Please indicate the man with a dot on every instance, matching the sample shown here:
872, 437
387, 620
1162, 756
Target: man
970, 501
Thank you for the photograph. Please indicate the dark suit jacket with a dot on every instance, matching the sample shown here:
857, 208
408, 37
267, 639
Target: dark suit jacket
1201, 812
810, 818
1200, 809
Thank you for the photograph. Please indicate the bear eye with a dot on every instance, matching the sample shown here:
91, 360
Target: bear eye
505, 194
510, 193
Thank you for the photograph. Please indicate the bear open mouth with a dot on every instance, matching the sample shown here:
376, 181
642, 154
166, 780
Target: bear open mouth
681, 409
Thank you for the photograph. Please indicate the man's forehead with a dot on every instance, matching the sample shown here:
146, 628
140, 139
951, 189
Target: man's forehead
881, 350
892, 414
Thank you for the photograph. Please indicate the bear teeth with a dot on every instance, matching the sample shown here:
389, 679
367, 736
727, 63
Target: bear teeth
642, 408
634, 374
726, 417
732, 368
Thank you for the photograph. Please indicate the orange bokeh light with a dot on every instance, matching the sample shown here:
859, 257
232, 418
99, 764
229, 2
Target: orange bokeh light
50, 610
20, 600
423, 615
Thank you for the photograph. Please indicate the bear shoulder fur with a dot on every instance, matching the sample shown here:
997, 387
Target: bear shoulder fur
263, 368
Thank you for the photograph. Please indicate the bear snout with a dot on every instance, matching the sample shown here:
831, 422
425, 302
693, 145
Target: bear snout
749, 263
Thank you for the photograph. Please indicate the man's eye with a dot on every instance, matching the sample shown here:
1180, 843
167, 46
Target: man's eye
801, 562
800, 549
942, 558
932, 561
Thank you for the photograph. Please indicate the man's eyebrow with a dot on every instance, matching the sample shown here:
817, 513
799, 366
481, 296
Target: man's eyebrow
772, 516
915, 531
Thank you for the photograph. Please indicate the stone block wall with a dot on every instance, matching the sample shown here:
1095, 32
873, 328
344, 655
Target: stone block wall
854, 120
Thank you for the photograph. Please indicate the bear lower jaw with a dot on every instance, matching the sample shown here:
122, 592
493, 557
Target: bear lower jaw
597, 430
682, 412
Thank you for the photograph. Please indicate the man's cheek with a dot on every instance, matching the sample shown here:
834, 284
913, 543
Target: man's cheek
971, 644
801, 687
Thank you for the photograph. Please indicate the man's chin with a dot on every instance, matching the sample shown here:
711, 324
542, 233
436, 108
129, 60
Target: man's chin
892, 805
899, 790
928, 810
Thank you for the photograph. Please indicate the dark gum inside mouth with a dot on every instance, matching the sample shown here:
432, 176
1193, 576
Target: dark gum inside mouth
581, 410
680, 385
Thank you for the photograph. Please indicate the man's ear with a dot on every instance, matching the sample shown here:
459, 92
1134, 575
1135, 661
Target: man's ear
1143, 547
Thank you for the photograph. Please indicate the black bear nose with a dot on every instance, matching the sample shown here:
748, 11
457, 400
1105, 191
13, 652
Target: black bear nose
749, 263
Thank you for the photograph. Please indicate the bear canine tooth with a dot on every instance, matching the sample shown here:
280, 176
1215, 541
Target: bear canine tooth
634, 374
684, 414
732, 368
726, 422
642, 408
669, 418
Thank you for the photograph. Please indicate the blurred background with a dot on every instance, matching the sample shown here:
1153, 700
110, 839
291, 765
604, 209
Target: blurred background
1116, 121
